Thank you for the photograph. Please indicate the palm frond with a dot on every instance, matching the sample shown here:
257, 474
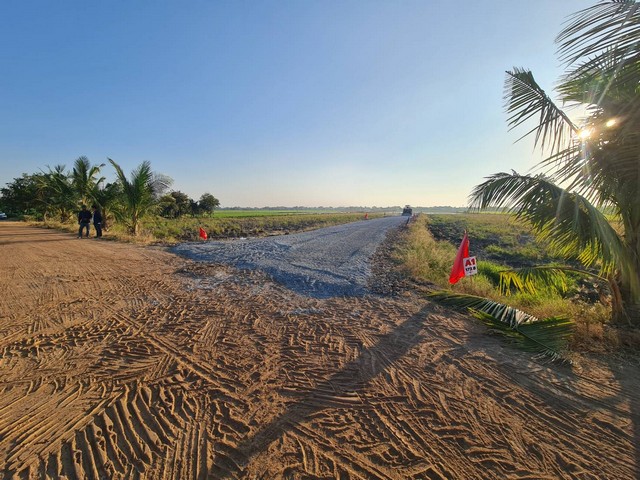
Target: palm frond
605, 164
601, 78
525, 99
574, 227
55, 190
137, 189
122, 178
85, 179
611, 25
546, 337
137, 194
81, 166
531, 279
141, 188
512, 317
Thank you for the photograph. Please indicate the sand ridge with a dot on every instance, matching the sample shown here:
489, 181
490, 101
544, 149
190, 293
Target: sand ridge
119, 361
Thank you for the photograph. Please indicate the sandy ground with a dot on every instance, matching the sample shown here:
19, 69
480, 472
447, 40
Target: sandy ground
120, 361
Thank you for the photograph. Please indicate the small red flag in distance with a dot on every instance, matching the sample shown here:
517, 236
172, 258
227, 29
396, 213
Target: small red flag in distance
457, 272
203, 234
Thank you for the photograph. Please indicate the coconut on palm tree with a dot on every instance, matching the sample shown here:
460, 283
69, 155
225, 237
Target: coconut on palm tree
592, 166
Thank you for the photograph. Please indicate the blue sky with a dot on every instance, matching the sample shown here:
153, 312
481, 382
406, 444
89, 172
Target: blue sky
265, 103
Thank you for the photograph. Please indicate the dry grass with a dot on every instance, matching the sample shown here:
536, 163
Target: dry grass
421, 257
114, 233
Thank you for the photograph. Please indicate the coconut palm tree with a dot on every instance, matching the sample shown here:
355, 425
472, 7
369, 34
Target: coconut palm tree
56, 194
591, 166
138, 194
85, 179
107, 198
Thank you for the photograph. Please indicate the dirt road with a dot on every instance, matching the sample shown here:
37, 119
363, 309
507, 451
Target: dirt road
120, 361
328, 262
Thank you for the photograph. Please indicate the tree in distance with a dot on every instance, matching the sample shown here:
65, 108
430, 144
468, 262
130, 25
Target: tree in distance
208, 203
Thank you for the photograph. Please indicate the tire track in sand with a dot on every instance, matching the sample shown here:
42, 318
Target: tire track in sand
152, 367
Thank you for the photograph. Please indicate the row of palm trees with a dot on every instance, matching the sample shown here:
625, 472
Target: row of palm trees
58, 192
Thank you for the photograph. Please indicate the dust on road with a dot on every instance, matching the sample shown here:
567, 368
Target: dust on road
120, 361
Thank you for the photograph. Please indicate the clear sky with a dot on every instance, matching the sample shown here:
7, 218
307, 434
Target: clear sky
265, 103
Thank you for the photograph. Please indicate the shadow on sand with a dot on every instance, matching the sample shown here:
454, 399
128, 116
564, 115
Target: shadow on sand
353, 377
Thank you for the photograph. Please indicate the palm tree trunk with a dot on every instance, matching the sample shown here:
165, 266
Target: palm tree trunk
625, 302
135, 225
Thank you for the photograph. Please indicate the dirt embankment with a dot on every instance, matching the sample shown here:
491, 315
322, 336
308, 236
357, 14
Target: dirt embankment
120, 361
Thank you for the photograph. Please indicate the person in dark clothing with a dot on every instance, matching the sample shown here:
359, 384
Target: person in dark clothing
84, 219
97, 220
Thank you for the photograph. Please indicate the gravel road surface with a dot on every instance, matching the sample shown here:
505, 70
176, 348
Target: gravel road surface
329, 262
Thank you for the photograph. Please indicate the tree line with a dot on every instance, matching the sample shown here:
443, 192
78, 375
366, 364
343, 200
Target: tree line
58, 193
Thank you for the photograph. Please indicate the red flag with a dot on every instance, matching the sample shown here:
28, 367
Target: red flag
457, 272
203, 234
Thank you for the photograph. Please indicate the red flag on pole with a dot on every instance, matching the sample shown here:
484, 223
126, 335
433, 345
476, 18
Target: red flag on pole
203, 234
457, 272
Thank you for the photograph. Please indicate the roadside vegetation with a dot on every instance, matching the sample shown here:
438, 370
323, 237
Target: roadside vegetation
258, 225
141, 208
155, 229
581, 201
501, 243
584, 199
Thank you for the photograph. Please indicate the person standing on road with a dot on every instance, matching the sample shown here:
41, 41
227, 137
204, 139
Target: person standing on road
84, 219
97, 220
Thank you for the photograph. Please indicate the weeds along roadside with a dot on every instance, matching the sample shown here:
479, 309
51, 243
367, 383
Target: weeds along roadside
427, 261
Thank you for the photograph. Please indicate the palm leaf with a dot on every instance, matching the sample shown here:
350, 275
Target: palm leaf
85, 179
599, 79
602, 166
545, 337
529, 279
612, 25
574, 227
525, 99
